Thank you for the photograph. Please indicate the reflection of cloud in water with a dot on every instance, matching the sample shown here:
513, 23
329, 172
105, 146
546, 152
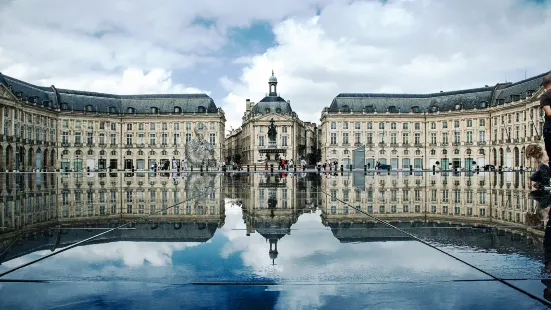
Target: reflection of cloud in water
132, 254
312, 253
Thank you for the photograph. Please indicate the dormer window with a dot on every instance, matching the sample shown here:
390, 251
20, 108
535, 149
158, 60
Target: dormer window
415, 109
434, 109
89, 108
369, 109
345, 108
529, 93
64, 106
458, 106
46, 103
278, 110
483, 104
392, 109
177, 110
130, 110
267, 110
201, 109
112, 110
154, 110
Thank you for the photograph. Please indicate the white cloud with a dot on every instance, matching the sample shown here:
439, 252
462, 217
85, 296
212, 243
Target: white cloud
400, 46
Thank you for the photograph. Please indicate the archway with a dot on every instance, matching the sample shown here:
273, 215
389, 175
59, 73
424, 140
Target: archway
2, 159
30, 158
45, 159
9, 158
39, 159
516, 157
52, 159
494, 151
501, 157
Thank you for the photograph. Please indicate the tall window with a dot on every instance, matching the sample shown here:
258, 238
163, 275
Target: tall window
333, 138
128, 139
433, 138
482, 136
345, 138
261, 140
284, 140
212, 139
469, 137
357, 136
405, 138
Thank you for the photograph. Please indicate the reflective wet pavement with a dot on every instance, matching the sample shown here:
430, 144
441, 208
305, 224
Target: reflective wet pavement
281, 240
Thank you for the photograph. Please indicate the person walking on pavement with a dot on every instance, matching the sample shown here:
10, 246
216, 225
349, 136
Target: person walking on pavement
545, 103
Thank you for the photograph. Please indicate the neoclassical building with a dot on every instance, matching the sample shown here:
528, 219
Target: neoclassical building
463, 129
251, 142
50, 128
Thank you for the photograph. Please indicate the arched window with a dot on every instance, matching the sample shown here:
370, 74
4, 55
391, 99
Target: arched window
102, 153
345, 108
89, 108
444, 152
278, 110
78, 152
418, 152
432, 152
481, 151
152, 153
140, 152
112, 110
90, 152
346, 152
456, 152
434, 108
201, 109
177, 110
65, 152
154, 110
113, 153
458, 106
267, 110
176, 153
129, 153
130, 110
164, 153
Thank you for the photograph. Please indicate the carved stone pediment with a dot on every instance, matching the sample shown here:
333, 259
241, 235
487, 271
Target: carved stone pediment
5, 93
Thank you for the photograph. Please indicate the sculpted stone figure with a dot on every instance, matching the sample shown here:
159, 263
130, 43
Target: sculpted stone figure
199, 151
272, 132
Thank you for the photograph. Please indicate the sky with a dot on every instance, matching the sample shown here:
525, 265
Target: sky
317, 48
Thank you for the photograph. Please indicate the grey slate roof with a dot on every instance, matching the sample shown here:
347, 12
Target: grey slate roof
99, 102
276, 104
43, 95
444, 101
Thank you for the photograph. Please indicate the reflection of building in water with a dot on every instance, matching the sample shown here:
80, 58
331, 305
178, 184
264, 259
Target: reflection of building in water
484, 197
185, 208
272, 203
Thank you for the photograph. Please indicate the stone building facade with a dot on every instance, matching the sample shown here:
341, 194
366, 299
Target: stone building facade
462, 129
50, 128
251, 142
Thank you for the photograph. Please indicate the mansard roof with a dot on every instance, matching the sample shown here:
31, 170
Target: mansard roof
272, 104
467, 99
75, 100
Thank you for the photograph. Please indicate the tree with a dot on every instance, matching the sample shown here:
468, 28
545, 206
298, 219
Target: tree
314, 156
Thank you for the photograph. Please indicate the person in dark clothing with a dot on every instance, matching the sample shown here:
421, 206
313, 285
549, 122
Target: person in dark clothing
541, 178
545, 103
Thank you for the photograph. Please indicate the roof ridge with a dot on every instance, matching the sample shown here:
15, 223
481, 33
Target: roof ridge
410, 95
